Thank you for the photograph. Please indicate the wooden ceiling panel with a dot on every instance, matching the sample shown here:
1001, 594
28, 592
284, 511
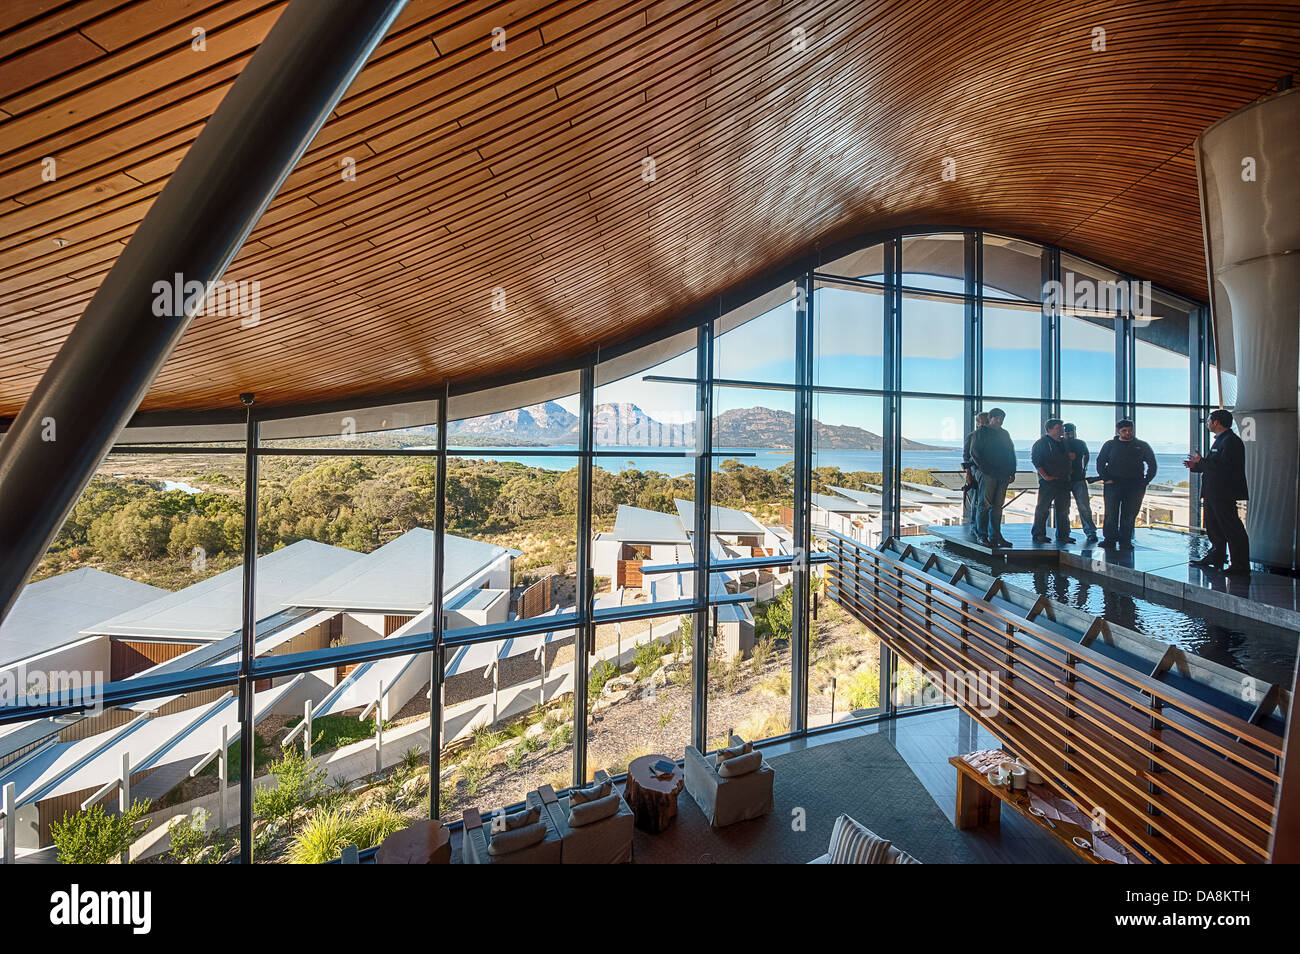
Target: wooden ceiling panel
522, 168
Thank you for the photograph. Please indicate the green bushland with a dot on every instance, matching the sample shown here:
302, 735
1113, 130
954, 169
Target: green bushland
133, 527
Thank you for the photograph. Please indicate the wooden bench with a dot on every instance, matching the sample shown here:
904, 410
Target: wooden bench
979, 804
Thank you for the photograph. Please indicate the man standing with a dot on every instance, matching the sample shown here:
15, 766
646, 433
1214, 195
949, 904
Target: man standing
1051, 458
970, 498
1223, 483
994, 458
1079, 457
1125, 465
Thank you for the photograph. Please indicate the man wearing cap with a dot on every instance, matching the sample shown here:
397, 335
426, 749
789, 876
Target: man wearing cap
1125, 465
1223, 483
1079, 457
994, 458
1051, 458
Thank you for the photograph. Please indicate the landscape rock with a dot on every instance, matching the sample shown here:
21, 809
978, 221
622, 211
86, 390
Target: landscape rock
618, 684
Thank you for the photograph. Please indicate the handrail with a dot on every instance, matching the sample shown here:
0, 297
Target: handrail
1237, 726
1178, 778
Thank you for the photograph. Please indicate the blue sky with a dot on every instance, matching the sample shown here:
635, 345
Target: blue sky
848, 352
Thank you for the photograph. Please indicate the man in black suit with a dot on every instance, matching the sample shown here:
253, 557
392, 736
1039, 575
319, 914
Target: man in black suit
1223, 483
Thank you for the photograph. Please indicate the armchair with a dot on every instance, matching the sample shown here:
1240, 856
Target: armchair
726, 800
605, 841
532, 851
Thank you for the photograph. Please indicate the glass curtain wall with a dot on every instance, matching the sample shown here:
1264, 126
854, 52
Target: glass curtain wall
448, 602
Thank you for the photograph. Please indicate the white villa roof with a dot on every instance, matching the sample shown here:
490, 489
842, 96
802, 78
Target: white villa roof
926, 493
636, 525
873, 499
842, 504
55, 612
398, 576
721, 519
65, 767
212, 608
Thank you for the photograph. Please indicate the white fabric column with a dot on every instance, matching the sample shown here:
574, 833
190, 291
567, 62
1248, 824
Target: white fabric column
1249, 166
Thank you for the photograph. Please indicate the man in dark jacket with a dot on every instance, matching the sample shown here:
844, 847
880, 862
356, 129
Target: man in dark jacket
1079, 457
994, 458
1051, 458
1223, 483
970, 498
1125, 465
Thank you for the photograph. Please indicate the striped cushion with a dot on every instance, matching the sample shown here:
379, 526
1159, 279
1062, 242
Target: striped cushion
905, 859
852, 844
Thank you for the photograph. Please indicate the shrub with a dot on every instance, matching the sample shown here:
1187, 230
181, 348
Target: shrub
765, 725
763, 650
94, 837
298, 782
376, 823
561, 737
189, 837
322, 838
777, 684
861, 690
682, 638
648, 655
600, 674
485, 740
666, 716
473, 771
411, 760
515, 758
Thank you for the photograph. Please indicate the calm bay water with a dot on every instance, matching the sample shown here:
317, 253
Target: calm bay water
632, 458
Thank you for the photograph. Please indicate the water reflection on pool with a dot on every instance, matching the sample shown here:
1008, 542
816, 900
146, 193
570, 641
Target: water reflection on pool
1263, 651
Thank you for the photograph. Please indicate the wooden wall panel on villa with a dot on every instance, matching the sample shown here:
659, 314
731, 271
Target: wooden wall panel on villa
130, 656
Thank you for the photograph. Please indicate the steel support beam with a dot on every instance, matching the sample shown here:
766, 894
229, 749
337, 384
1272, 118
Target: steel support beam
703, 500
585, 634
891, 488
800, 636
193, 230
437, 658
248, 640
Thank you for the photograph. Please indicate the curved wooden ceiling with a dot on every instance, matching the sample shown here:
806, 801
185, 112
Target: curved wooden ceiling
523, 168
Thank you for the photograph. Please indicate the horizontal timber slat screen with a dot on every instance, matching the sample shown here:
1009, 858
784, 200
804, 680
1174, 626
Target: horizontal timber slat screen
1168, 774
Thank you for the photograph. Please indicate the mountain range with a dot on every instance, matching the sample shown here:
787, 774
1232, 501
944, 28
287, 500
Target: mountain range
626, 425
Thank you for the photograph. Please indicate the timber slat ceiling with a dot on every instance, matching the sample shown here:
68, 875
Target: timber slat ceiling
522, 168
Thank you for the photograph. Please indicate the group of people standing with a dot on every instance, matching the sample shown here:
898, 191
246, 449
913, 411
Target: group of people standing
1125, 466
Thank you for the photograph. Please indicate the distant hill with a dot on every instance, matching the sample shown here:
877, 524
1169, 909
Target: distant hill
626, 425
764, 427
547, 423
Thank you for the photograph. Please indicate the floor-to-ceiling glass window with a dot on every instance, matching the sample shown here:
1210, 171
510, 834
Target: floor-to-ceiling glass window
345, 684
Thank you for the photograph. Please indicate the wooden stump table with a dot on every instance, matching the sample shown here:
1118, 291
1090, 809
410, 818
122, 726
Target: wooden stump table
653, 800
424, 843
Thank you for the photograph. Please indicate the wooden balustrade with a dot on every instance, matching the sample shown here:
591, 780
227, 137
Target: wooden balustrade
1175, 778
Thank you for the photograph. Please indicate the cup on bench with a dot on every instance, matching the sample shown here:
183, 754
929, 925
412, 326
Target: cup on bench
1016, 773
